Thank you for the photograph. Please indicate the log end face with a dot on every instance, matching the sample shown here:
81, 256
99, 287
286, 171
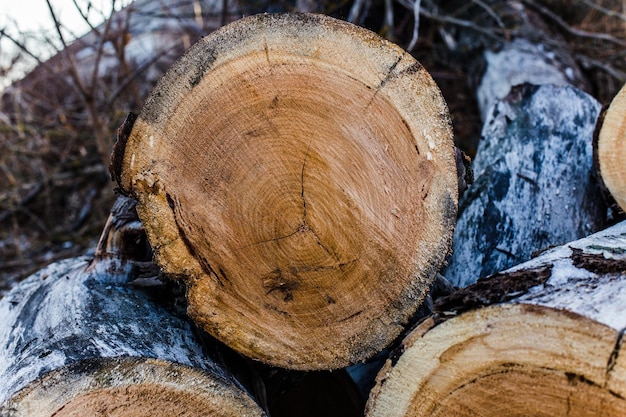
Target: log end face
314, 201
611, 149
129, 387
502, 360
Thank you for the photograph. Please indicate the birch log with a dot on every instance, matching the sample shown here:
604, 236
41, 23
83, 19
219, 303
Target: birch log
534, 184
76, 339
298, 174
610, 150
547, 349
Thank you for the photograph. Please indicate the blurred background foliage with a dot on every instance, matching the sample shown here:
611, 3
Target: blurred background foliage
58, 123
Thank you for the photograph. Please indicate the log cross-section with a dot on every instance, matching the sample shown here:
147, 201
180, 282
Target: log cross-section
610, 149
298, 173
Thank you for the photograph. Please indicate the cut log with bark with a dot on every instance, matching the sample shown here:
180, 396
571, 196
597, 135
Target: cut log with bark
79, 338
298, 174
534, 184
543, 338
610, 150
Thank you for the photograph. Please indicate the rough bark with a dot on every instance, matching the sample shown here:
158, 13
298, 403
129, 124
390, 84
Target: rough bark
610, 151
502, 347
298, 174
534, 184
80, 338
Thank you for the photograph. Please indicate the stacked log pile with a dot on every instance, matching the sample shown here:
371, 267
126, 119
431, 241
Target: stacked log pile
295, 176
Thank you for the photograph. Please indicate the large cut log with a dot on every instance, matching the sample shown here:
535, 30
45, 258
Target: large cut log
298, 174
546, 342
77, 339
534, 184
610, 149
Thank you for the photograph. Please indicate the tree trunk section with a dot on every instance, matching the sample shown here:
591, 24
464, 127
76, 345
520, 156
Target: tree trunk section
534, 184
298, 174
504, 347
79, 338
610, 150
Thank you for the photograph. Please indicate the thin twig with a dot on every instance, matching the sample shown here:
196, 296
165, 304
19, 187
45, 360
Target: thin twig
78, 84
100, 48
358, 11
93, 28
604, 10
491, 32
389, 20
416, 24
573, 31
590, 62
24, 49
138, 71
489, 11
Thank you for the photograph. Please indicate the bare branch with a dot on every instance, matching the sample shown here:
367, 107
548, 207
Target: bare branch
24, 49
489, 11
416, 25
359, 11
57, 24
604, 10
590, 62
132, 77
389, 20
100, 48
93, 28
573, 31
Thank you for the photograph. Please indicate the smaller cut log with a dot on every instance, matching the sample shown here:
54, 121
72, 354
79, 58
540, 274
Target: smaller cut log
504, 347
610, 149
534, 185
76, 339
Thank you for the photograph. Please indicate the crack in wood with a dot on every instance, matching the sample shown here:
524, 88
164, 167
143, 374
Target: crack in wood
612, 361
267, 51
351, 316
306, 157
386, 78
176, 208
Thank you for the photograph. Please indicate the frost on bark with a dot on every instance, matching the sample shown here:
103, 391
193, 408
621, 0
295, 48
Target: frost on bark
80, 337
534, 184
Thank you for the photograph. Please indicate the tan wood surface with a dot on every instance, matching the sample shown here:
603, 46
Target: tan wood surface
611, 148
298, 173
